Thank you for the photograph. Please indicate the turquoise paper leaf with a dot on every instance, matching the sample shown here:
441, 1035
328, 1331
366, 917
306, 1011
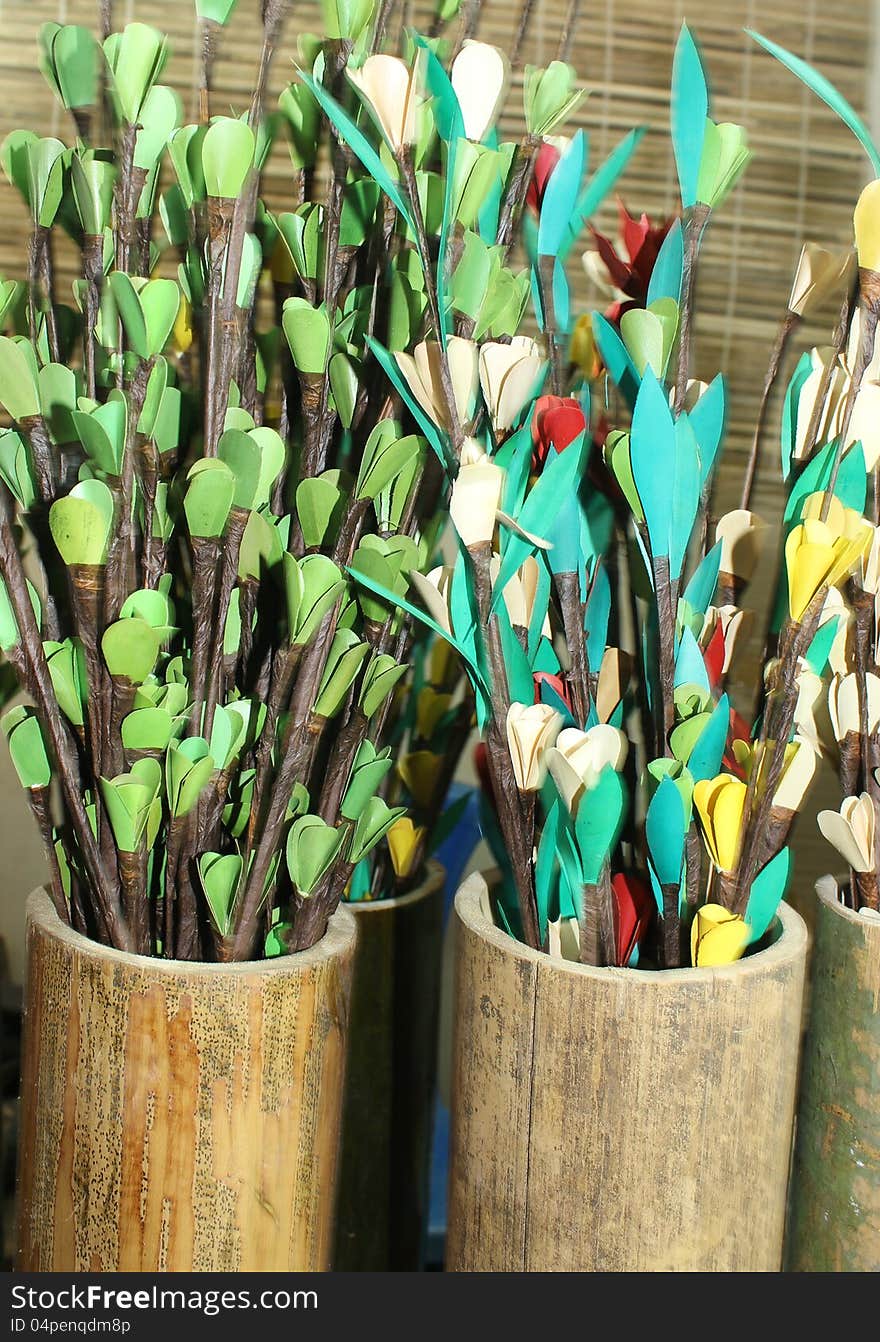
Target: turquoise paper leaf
767, 891
690, 108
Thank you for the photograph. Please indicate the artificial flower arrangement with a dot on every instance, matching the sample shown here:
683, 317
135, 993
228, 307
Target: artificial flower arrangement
833, 398
209, 503
636, 816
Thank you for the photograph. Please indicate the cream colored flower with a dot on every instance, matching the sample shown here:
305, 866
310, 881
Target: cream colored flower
741, 536
811, 709
479, 77
843, 704
422, 370
520, 591
474, 501
864, 425
735, 624
801, 765
508, 376
434, 589
820, 359
614, 675
531, 730
852, 830
387, 86
578, 758
819, 273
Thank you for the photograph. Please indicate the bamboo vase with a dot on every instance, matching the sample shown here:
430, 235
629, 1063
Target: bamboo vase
391, 1075
179, 1117
835, 1196
612, 1120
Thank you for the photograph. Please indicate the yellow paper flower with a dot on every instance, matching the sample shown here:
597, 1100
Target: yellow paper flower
718, 937
183, 336
582, 348
403, 841
720, 802
866, 225
418, 771
430, 708
821, 554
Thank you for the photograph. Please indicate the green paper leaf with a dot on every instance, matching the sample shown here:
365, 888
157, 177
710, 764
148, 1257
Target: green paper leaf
82, 522
136, 57
313, 585
19, 391
208, 498
27, 747
307, 330
372, 824
131, 649
68, 673
344, 660
312, 848
385, 456
188, 770
220, 875
227, 157
380, 678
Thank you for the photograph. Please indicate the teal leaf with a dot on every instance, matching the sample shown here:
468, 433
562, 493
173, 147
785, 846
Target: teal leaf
603, 180
560, 197
705, 759
558, 480
767, 890
665, 281
826, 91
599, 820
690, 108
707, 421
701, 588
621, 368
665, 832
652, 457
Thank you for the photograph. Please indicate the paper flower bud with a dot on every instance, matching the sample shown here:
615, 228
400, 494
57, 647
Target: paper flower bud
422, 372
578, 758
819, 273
508, 376
582, 348
557, 421
852, 830
718, 937
720, 803
474, 501
548, 156
843, 704
434, 588
479, 76
741, 536
403, 839
387, 87
802, 763
866, 226
836, 397
531, 729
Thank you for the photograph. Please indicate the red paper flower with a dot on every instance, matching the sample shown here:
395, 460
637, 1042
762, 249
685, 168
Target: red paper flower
557, 422
556, 683
545, 162
633, 907
713, 655
481, 765
632, 275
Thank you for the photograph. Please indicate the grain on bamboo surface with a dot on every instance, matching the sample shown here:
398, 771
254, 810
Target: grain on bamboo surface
611, 1120
179, 1117
835, 1211
391, 1076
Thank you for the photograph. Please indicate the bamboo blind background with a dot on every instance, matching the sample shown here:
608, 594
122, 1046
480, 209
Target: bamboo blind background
801, 183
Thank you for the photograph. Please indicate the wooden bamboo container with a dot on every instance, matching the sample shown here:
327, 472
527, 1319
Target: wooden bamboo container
391, 1076
835, 1196
611, 1120
179, 1117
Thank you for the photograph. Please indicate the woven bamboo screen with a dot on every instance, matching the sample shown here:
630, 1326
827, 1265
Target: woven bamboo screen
801, 183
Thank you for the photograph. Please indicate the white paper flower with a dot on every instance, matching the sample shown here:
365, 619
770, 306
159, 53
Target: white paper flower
578, 758
508, 376
422, 370
434, 589
387, 86
851, 830
818, 274
479, 78
474, 501
741, 536
843, 704
531, 729
799, 774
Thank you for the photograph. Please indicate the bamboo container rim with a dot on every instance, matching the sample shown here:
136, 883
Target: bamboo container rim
828, 888
435, 875
340, 935
787, 949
